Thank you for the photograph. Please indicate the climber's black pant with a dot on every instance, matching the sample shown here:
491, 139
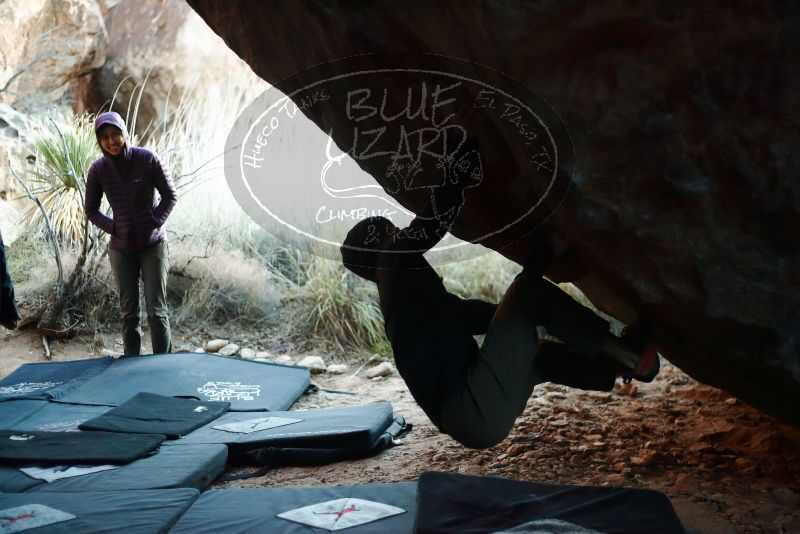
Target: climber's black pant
475, 394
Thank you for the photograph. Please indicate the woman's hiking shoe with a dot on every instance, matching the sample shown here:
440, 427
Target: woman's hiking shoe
648, 364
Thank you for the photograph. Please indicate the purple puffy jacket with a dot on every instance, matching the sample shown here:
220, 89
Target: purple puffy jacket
129, 181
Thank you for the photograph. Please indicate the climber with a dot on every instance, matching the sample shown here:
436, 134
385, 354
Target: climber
474, 393
129, 177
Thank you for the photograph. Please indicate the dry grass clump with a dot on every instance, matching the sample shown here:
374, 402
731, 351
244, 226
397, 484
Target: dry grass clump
486, 277
337, 308
220, 286
225, 287
30, 262
34, 274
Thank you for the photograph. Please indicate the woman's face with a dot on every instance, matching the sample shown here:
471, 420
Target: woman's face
111, 139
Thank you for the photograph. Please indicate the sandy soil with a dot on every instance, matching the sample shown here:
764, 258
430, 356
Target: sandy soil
726, 467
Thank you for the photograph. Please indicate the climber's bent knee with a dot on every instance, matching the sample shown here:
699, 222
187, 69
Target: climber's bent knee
479, 438
472, 427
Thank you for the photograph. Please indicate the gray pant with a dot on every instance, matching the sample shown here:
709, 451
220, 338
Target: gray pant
152, 264
512, 360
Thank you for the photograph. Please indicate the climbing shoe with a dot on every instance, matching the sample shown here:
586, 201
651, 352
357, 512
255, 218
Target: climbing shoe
648, 363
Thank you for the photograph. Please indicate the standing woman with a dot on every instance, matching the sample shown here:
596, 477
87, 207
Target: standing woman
129, 177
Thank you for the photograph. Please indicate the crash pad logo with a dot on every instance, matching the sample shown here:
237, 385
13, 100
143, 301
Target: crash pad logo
397, 137
229, 391
26, 387
340, 514
62, 426
30, 516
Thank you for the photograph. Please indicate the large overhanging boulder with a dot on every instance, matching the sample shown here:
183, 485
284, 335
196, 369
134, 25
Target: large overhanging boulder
684, 207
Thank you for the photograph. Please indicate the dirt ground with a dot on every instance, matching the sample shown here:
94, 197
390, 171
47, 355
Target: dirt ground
726, 467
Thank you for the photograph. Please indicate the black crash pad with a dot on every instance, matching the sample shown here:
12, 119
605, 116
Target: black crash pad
50, 380
147, 413
247, 385
56, 416
454, 503
235, 511
131, 512
305, 437
55, 448
357, 427
190, 466
12, 412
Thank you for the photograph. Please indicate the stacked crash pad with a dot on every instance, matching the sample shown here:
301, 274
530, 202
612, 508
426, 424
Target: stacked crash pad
120, 401
193, 466
150, 494
248, 386
105, 394
305, 437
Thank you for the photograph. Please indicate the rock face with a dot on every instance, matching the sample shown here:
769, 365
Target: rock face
14, 131
48, 47
684, 206
163, 46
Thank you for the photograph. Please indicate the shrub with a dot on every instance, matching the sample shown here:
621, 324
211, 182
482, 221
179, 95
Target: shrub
340, 308
485, 277
223, 286
64, 148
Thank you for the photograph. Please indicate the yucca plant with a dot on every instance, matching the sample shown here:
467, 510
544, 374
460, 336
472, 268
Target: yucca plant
341, 307
64, 148
486, 277
55, 179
